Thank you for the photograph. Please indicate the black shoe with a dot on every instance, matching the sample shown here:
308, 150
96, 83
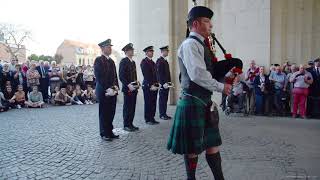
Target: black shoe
113, 136
129, 129
164, 117
155, 122
135, 127
150, 123
106, 138
169, 117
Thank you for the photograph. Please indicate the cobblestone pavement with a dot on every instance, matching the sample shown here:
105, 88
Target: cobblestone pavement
64, 143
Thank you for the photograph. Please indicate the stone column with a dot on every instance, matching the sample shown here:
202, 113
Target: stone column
177, 31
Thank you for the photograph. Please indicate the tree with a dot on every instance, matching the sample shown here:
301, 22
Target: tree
58, 58
33, 57
14, 38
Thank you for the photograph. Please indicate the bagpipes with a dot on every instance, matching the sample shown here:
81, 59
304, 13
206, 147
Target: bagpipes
222, 67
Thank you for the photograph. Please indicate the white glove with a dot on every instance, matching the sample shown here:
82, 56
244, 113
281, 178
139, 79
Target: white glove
165, 85
131, 87
110, 92
154, 88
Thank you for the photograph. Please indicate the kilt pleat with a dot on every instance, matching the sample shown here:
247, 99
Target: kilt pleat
189, 134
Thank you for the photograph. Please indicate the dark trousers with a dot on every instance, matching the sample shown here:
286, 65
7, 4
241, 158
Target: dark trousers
107, 110
150, 104
278, 102
129, 108
260, 102
163, 100
44, 86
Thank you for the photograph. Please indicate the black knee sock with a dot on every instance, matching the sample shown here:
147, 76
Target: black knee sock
191, 166
214, 161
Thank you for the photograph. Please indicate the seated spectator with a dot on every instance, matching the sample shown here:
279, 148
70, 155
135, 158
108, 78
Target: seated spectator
237, 93
69, 90
19, 97
278, 80
8, 93
2, 106
35, 99
62, 98
262, 88
77, 95
89, 95
54, 93
302, 80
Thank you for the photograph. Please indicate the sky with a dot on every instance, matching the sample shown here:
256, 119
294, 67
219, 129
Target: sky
52, 21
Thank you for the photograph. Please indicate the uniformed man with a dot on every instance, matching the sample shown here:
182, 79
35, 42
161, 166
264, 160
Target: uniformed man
150, 86
106, 90
130, 85
193, 130
164, 78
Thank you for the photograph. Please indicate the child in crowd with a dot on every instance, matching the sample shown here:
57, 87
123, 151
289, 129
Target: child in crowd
19, 97
54, 93
89, 95
35, 98
77, 95
8, 94
2, 106
62, 98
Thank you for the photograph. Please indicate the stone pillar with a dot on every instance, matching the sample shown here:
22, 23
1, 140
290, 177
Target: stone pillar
177, 31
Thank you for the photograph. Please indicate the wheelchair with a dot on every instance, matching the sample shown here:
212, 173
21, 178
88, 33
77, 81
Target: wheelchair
237, 105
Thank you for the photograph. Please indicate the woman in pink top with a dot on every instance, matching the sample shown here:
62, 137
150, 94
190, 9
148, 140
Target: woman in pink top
301, 81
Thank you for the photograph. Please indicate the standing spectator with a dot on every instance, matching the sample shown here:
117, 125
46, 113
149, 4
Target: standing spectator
65, 71
5, 76
79, 78
19, 78
289, 86
54, 77
44, 80
261, 88
25, 67
88, 76
278, 80
252, 72
72, 76
19, 97
12, 66
313, 107
302, 80
33, 76
35, 98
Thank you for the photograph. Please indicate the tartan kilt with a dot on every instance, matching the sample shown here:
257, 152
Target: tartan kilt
189, 133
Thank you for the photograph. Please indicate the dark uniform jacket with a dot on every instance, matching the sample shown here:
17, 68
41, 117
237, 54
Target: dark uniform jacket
148, 68
163, 71
127, 73
106, 74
